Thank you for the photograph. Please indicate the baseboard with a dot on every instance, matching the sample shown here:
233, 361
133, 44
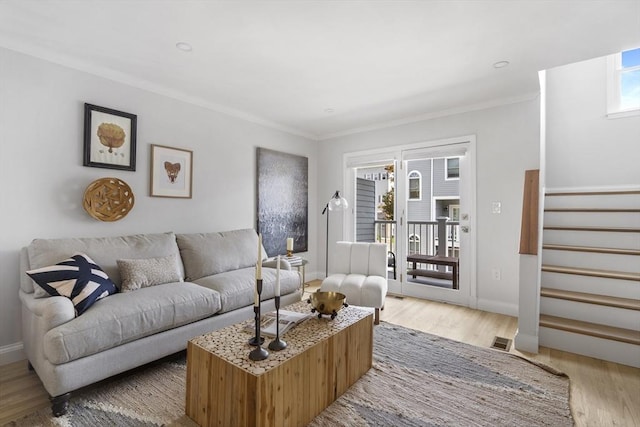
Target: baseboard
497, 307
313, 275
526, 342
11, 353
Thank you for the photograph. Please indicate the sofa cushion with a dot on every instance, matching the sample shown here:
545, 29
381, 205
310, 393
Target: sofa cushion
236, 287
205, 254
141, 273
103, 250
126, 317
77, 278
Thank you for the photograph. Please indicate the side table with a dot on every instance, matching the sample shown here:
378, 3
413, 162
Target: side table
300, 267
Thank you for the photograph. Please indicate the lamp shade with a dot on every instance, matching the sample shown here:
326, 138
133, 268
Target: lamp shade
338, 203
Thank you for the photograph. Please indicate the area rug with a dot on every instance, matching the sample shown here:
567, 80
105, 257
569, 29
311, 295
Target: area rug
417, 379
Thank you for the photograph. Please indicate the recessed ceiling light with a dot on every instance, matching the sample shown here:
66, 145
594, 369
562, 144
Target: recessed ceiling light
185, 47
329, 110
501, 64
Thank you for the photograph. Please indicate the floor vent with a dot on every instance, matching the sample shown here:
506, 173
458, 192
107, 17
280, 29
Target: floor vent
500, 343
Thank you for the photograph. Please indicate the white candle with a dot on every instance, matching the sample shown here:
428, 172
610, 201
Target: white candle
259, 264
278, 277
290, 243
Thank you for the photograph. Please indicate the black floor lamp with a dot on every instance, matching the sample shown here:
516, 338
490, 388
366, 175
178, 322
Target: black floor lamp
335, 203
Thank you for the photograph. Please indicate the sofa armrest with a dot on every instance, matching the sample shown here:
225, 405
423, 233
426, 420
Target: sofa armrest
52, 311
273, 263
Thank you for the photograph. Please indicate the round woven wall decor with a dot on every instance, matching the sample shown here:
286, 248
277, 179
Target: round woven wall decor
108, 199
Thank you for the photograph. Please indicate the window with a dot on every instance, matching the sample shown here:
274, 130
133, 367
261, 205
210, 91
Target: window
453, 168
623, 94
415, 185
454, 212
414, 244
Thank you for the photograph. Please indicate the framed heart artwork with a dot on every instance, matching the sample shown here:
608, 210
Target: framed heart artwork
171, 172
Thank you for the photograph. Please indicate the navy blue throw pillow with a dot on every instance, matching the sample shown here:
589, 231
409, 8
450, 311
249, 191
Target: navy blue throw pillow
77, 278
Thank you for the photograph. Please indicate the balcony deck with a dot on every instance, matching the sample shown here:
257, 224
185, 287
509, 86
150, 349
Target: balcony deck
427, 262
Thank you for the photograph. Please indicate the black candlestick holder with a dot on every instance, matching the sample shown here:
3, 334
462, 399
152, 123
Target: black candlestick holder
256, 340
258, 353
277, 344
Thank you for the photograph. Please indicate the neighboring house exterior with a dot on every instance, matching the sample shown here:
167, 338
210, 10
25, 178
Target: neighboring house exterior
433, 189
383, 184
433, 192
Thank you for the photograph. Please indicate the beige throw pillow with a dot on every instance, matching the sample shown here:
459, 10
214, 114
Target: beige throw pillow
142, 273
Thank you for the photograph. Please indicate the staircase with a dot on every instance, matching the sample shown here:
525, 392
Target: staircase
590, 281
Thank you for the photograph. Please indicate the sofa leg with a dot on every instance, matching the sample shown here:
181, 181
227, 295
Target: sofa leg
376, 318
60, 404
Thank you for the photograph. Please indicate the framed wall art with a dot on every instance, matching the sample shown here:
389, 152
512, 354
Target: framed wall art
282, 200
109, 138
171, 172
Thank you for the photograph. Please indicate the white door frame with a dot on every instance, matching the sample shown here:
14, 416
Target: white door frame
467, 294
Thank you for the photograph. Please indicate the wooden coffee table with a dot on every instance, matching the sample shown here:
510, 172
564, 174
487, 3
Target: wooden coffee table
322, 360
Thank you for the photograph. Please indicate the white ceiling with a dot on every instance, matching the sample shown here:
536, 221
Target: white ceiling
284, 63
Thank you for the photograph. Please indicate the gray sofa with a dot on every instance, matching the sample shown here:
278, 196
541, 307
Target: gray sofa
128, 329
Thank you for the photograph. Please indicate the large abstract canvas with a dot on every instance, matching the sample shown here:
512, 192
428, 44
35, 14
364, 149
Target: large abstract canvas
282, 200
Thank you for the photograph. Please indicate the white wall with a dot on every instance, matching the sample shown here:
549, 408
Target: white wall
43, 180
584, 147
507, 145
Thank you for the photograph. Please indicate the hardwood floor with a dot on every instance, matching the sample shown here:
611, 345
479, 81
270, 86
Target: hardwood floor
602, 393
21, 392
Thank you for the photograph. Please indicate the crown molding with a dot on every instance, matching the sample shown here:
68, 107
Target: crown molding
126, 79
434, 115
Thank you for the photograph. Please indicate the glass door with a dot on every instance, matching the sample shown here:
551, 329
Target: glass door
431, 224
419, 200
374, 212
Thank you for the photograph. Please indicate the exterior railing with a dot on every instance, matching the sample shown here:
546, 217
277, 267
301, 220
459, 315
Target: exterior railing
422, 236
